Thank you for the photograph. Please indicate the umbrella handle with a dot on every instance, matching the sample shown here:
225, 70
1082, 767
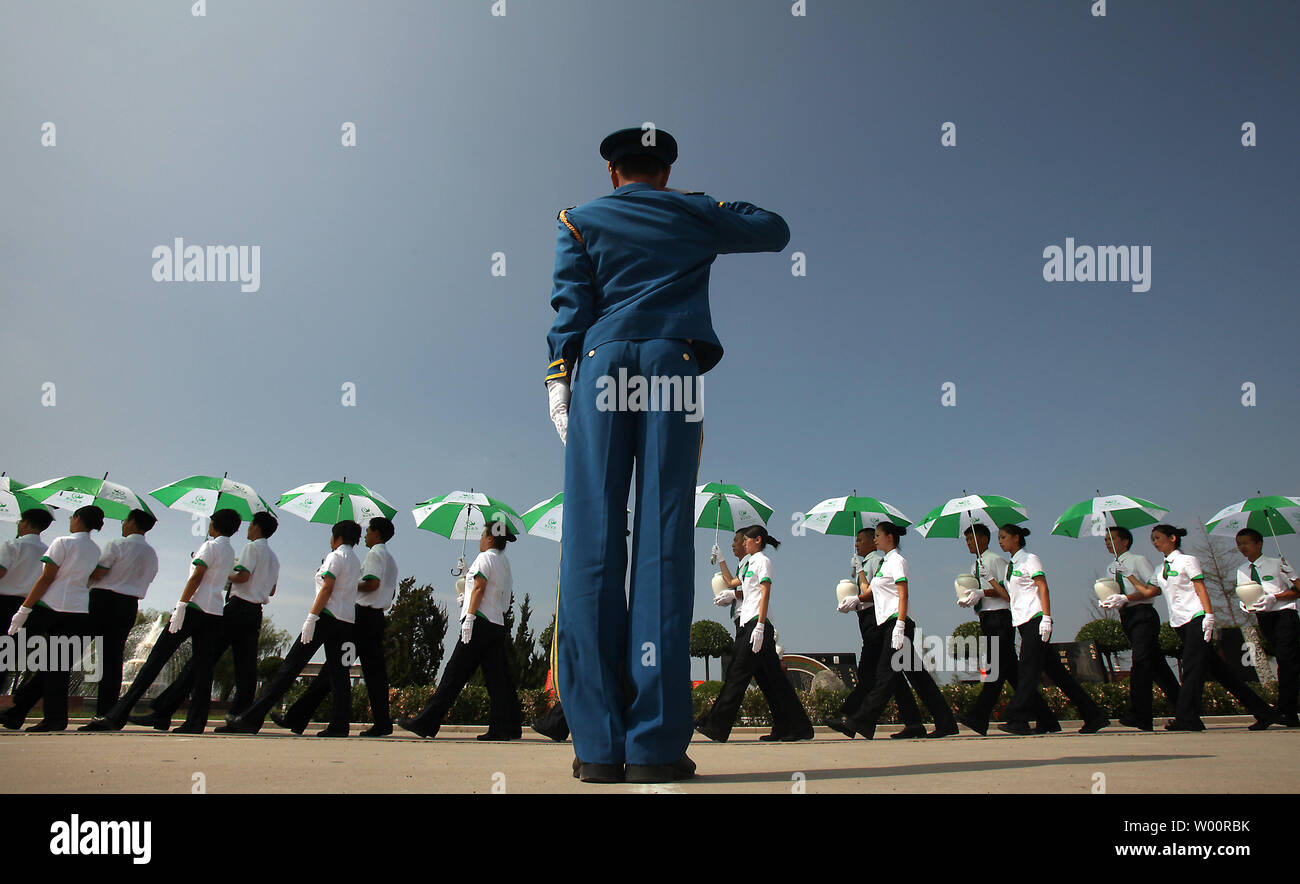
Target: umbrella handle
460, 567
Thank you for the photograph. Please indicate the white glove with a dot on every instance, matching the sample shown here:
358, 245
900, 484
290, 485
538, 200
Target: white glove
309, 629
715, 554
467, 628
855, 564
1243, 607
973, 598
1115, 601
178, 618
557, 392
1267, 602
900, 634
1045, 628
19, 618
1207, 628
852, 603
724, 598
1113, 568
756, 639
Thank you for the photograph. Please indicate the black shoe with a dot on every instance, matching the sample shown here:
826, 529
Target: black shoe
796, 737
681, 769
1093, 725
242, 725
551, 733
601, 773
227, 728
490, 737
1019, 728
577, 767
1130, 721
1262, 723
979, 727
773, 737
45, 727
154, 720
378, 730
713, 735
408, 724
280, 721
188, 728
842, 725
943, 732
1176, 725
1048, 727
333, 732
911, 732
102, 724
9, 722
1290, 721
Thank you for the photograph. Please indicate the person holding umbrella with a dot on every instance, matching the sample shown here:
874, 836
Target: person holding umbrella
20, 565
1141, 623
890, 592
1031, 615
58, 604
483, 639
1276, 613
755, 649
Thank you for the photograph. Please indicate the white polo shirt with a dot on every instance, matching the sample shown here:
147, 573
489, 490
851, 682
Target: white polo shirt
891, 571
757, 571
343, 565
263, 567
379, 565
21, 559
1274, 576
1174, 577
76, 555
990, 564
1132, 563
219, 557
870, 565
132, 565
1021, 571
494, 568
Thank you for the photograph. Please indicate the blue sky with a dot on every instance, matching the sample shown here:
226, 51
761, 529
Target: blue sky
924, 263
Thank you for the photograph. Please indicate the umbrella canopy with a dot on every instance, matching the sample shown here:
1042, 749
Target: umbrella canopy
14, 501
1273, 514
721, 506
958, 514
461, 515
848, 515
73, 492
1088, 518
546, 519
204, 495
330, 502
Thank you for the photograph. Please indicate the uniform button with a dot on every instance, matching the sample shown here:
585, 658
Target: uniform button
686, 356
591, 352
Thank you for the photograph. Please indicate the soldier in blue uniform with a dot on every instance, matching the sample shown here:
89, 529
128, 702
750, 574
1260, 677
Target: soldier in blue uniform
631, 298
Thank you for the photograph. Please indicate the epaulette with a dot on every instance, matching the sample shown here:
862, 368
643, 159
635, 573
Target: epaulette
563, 218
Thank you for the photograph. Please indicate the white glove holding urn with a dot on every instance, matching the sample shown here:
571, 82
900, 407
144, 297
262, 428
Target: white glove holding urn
850, 604
1118, 600
973, 598
724, 598
557, 392
1267, 602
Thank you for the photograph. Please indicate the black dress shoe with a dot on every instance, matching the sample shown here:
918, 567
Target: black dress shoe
490, 737
1130, 721
1260, 724
773, 737
551, 733
1291, 721
242, 725
601, 773
681, 769
911, 732
408, 724
45, 727
152, 719
842, 725
280, 721
9, 722
796, 737
378, 730
979, 727
102, 724
1019, 728
943, 732
333, 732
1094, 725
1047, 727
187, 728
713, 735
1176, 725
227, 728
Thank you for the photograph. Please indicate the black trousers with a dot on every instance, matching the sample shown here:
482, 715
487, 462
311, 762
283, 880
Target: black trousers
1037, 657
1142, 626
368, 637
1282, 630
873, 638
9, 605
1201, 662
49, 685
745, 665
330, 633
241, 630
996, 627
486, 648
204, 631
911, 669
763, 678
111, 617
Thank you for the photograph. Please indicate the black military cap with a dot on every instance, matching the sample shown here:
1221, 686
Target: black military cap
631, 142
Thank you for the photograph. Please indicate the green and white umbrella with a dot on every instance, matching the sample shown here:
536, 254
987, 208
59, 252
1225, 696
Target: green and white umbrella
204, 495
1093, 517
719, 505
1272, 514
73, 492
461, 515
954, 517
331, 502
14, 501
546, 519
849, 515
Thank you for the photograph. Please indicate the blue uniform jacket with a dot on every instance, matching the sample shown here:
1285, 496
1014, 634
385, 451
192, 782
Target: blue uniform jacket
634, 265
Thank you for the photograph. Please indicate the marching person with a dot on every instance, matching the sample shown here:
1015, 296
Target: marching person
20, 565
329, 623
197, 617
755, 649
631, 298
1276, 613
1031, 615
126, 567
867, 562
890, 593
1191, 614
58, 605
1141, 623
374, 596
252, 583
483, 639
992, 603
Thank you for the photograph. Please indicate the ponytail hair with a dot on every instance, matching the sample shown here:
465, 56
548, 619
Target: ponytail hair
759, 532
1170, 531
1017, 532
894, 531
